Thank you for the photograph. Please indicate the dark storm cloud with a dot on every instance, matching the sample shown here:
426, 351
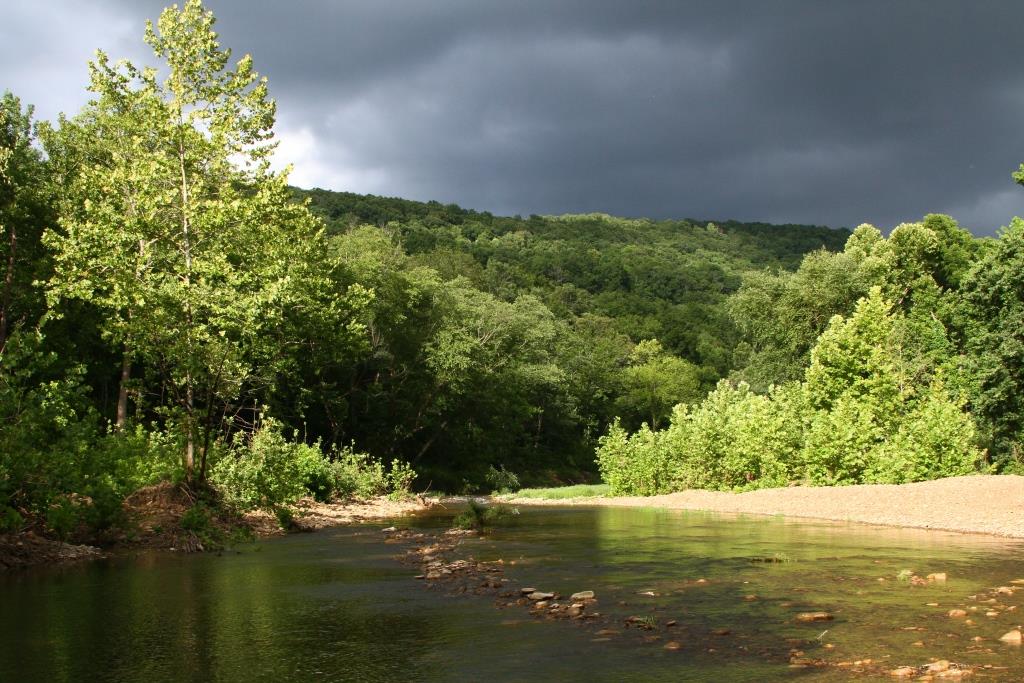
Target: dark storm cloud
834, 113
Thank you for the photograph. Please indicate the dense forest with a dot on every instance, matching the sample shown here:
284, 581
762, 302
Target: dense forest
172, 310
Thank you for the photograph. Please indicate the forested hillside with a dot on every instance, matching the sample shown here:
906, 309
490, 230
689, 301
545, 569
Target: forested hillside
664, 280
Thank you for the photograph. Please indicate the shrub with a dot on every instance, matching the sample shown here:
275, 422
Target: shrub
634, 464
501, 480
285, 517
197, 520
477, 516
400, 479
263, 470
357, 475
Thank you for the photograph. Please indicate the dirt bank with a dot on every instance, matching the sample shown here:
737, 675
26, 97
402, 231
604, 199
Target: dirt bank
982, 504
311, 515
153, 521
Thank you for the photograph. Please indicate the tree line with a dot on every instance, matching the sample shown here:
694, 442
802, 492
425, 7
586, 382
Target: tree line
895, 360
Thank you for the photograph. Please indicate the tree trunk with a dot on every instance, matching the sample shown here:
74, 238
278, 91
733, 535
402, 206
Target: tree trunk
122, 392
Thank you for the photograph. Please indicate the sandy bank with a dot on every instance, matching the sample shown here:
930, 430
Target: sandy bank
982, 504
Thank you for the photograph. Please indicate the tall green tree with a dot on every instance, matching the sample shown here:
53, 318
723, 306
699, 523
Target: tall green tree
174, 224
24, 212
994, 309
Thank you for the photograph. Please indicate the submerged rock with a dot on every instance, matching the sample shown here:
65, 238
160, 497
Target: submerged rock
1012, 637
814, 616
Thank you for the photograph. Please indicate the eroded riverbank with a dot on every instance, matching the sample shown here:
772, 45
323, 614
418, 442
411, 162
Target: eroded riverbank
154, 522
980, 504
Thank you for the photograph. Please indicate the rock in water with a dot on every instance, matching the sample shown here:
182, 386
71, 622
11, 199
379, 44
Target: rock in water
582, 595
957, 613
814, 616
1013, 637
903, 672
540, 595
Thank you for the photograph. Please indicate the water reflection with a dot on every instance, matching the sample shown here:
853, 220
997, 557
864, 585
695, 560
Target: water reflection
336, 606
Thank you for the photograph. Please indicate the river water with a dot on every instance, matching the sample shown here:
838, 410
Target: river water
337, 606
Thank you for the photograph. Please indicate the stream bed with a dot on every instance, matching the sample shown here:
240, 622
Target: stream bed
338, 606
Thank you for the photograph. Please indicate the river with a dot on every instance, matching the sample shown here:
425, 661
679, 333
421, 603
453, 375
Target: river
337, 606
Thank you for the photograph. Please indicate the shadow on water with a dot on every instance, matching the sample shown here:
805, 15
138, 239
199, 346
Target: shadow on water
336, 606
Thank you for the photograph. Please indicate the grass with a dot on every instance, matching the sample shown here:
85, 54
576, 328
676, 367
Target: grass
560, 492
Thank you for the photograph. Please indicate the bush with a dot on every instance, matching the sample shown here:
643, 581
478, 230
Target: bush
357, 475
400, 479
285, 517
477, 517
634, 464
264, 470
197, 520
501, 480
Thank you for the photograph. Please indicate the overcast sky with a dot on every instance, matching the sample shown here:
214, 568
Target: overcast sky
833, 113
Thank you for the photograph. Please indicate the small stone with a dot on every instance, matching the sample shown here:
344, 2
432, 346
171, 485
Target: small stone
917, 643
1012, 637
540, 595
721, 632
582, 595
814, 616
607, 632
389, 530
702, 580
750, 598
540, 604
527, 591
936, 667
1004, 590
1018, 582
956, 613
673, 645
903, 672
938, 577
991, 613
671, 622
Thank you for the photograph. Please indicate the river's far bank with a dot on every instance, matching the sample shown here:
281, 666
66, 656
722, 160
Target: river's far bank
979, 504
154, 522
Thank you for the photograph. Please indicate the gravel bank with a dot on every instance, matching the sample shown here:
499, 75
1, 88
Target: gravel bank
981, 504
